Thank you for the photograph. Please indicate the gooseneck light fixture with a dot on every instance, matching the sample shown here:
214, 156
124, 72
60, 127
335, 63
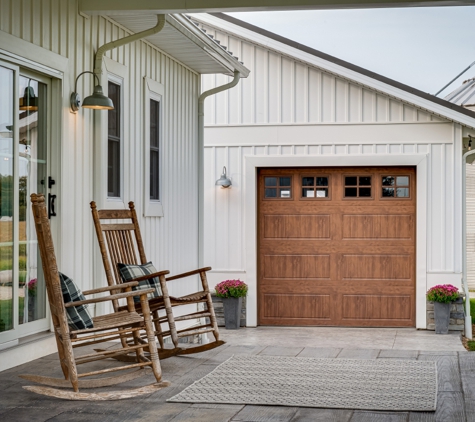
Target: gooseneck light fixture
96, 101
223, 181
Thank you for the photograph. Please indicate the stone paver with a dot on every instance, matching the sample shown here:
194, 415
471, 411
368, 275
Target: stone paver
456, 369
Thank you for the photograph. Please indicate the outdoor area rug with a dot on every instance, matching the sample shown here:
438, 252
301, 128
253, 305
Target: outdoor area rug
378, 384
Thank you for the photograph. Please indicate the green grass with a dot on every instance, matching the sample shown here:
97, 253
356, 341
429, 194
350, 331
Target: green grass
471, 345
6, 313
472, 310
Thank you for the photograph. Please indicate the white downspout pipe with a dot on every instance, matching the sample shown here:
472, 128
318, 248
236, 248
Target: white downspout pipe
201, 164
161, 19
468, 318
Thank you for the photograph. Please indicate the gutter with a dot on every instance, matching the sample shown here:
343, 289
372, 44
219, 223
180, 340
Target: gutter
161, 19
468, 318
201, 131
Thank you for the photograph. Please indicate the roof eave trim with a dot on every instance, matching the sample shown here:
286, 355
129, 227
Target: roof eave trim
212, 49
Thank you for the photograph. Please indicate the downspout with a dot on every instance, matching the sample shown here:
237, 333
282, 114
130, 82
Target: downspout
201, 166
468, 318
161, 19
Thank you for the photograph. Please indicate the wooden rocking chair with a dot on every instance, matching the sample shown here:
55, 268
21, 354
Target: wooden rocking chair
127, 323
119, 242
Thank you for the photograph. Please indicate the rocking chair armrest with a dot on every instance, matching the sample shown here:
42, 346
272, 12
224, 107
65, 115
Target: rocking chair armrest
122, 286
197, 271
117, 296
148, 276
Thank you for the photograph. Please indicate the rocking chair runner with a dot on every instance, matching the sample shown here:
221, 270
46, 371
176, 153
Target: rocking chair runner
119, 242
128, 323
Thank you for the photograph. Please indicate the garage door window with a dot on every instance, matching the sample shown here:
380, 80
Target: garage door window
357, 186
315, 187
278, 187
395, 186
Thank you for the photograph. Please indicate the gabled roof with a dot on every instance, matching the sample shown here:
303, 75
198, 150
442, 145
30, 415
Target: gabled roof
334, 65
181, 39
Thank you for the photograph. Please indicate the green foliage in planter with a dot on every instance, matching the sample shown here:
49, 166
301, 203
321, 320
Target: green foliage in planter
231, 288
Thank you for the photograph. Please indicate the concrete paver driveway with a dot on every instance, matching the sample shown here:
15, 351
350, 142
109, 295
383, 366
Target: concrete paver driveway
456, 373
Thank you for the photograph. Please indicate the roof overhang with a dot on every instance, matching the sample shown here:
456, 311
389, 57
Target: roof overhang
117, 7
184, 41
341, 68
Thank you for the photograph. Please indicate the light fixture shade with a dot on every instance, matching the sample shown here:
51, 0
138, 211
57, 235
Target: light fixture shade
98, 101
223, 181
29, 101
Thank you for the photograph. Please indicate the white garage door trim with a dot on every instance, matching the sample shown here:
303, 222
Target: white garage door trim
252, 163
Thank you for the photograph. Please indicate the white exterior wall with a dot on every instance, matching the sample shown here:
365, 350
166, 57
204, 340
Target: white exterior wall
290, 113
171, 241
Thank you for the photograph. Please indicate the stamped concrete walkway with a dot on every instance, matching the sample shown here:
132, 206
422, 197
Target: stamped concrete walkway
456, 372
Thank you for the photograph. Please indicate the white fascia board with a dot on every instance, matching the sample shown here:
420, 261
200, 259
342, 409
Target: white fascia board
255, 38
212, 49
97, 7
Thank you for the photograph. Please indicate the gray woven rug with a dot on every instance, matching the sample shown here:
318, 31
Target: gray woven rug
382, 384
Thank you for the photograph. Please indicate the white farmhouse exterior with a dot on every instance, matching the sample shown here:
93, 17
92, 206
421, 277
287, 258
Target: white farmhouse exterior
301, 111
94, 155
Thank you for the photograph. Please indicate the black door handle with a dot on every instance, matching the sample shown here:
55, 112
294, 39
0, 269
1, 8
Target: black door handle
51, 212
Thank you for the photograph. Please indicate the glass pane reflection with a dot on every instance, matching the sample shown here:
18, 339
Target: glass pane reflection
6, 199
32, 178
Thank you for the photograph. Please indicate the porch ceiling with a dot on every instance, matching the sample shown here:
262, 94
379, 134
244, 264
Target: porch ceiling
115, 7
183, 40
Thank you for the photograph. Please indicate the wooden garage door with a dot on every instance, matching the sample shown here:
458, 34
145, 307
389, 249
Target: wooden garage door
337, 246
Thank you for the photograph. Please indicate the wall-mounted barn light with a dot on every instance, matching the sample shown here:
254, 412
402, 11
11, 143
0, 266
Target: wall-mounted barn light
96, 101
223, 181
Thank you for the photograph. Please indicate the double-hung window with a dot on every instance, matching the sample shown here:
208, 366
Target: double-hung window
114, 137
153, 149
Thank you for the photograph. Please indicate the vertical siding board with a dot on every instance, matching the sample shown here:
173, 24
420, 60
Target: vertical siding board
368, 105
247, 106
341, 100
287, 88
327, 98
300, 96
274, 88
262, 94
354, 104
314, 94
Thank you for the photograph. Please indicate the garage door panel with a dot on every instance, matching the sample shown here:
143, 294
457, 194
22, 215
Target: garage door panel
297, 266
378, 227
381, 267
291, 247
297, 226
297, 306
377, 307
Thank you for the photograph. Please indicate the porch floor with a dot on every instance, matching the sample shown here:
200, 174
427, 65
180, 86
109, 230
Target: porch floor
455, 371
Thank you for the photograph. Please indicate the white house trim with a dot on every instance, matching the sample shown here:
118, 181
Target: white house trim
252, 163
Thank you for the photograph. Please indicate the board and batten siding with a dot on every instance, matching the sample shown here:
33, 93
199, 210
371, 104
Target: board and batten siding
288, 108
171, 241
470, 175
281, 89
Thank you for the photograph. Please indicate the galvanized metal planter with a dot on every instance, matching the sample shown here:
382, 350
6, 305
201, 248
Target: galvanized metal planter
232, 312
442, 317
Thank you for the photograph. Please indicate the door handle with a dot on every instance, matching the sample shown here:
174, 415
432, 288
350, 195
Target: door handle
51, 212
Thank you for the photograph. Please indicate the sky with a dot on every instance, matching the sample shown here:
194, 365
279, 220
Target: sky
421, 47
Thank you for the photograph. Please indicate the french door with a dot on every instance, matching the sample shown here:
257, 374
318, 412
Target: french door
24, 169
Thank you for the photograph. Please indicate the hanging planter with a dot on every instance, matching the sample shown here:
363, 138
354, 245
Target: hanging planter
232, 292
442, 296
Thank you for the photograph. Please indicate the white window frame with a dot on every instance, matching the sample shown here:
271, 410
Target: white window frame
153, 90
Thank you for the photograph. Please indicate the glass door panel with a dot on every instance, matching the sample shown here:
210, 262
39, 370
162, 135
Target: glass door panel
32, 173
6, 199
